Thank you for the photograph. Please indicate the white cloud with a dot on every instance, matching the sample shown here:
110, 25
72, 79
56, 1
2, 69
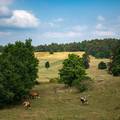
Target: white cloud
69, 34
20, 19
4, 11
5, 2
104, 33
101, 18
100, 26
54, 23
58, 20
80, 28
4, 33
51, 24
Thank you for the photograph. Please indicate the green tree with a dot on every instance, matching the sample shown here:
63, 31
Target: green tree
18, 71
47, 64
73, 70
86, 60
115, 64
102, 65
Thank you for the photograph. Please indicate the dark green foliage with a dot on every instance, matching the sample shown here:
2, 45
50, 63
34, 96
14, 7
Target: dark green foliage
100, 48
73, 70
116, 70
114, 67
86, 60
84, 84
47, 64
1, 48
18, 72
51, 52
37, 82
102, 65
60, 47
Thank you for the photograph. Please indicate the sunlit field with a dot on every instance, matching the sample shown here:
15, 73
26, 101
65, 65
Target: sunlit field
55, 61
104, 98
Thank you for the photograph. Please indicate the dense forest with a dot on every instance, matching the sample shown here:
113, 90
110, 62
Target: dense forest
100, 48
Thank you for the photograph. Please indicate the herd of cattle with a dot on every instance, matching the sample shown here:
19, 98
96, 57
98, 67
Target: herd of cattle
35, 95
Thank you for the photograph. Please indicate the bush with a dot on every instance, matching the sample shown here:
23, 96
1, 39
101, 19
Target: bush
18, 72
83, 84
51, 52
37, 82
73, 72
47, 64
116, 71
86, 60
115, 61
102, 65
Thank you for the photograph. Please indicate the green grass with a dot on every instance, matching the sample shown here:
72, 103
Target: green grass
104, 98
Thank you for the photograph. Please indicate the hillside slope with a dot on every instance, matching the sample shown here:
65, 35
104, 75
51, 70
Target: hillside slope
104, 98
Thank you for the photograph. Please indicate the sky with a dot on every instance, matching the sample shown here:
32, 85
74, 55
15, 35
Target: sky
58, 21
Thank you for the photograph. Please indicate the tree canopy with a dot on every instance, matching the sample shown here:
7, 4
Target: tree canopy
86, 60
73, 70
18, 71
114, 67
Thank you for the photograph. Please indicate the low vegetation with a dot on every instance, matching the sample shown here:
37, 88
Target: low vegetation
47, 64
102, 65
86, 60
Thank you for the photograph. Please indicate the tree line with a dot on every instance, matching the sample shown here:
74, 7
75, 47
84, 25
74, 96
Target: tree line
100, 48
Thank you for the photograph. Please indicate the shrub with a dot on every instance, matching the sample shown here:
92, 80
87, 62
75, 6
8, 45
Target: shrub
37, 82
83, 84
116, 71
73, 72
102, 65
73, 69
18, 72
47, 64
86, 60
115, 61
51, 52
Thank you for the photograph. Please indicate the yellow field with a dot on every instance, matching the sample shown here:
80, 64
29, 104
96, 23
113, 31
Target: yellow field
56, 59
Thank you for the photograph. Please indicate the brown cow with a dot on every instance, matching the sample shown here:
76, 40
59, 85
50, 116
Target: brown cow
33, 94
26, 104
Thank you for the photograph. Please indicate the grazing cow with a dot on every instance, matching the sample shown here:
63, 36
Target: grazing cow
84, 100
26, 104
33, 94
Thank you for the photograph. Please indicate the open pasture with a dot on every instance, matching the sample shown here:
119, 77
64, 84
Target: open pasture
104, 98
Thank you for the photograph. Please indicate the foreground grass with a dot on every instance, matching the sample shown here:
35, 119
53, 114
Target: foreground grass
104, 98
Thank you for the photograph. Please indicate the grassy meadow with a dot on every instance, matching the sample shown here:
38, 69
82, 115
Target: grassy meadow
55, 60
104, 98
